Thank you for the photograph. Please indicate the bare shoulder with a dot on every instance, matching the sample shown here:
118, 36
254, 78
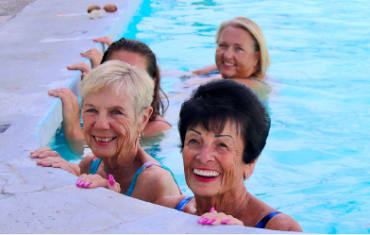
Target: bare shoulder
155, 175
85, 164
283, 222
156, 126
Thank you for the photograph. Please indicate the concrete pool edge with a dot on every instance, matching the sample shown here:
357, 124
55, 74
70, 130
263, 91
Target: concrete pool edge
45, 200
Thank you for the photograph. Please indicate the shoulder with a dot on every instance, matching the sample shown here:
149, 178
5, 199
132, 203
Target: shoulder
155, 174
155, 126
283, 222
85, 164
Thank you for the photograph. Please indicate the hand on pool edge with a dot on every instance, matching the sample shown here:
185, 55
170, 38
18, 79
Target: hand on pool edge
216, 218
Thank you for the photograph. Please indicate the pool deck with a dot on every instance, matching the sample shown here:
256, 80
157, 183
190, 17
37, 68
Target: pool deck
38, 39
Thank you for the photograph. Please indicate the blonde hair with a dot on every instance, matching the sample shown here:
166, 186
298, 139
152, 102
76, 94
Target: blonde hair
121, 77
260, 44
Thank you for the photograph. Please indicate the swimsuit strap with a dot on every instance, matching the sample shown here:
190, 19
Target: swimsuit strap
262, 223
94, 166
180, 206
138, 172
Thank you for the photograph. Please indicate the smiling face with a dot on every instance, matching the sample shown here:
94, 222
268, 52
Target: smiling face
213, 161
235, 54
109, 120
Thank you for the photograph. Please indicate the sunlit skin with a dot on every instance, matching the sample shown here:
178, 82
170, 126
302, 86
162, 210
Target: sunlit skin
108, 119
131, 58
235, 54
213, 166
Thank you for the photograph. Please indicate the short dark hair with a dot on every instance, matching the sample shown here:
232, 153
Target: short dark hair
213, 104
152, 68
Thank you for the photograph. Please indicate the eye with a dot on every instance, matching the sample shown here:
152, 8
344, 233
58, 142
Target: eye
91, 110
222, 45
116, 112
223, 145
193, 141
239, 49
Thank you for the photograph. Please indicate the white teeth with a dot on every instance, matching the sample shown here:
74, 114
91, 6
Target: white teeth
105, 140
228, 64
206, 173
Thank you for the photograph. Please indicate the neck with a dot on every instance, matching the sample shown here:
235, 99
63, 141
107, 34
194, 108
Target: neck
233, 202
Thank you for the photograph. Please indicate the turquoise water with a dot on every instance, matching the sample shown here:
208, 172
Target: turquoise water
315, 165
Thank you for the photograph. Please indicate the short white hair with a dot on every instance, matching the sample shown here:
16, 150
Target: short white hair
121, 77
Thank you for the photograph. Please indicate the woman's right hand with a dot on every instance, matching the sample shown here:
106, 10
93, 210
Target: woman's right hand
71, 113
50, 158
215, 218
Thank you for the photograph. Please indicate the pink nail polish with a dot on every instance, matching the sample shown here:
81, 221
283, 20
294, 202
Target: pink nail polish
110, 179
225, 221
211, 221
212, 209
88, 184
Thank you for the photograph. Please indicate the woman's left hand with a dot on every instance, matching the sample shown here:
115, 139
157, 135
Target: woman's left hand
95, 180
215, 218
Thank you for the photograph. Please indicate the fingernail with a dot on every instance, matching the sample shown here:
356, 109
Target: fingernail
80, 184
202, 220
212, 209
225, 221
211, 221
110, 179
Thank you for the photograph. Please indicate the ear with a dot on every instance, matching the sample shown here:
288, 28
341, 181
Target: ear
144, 119
249, 169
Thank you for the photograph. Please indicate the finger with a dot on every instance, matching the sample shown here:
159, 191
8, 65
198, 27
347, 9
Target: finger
39, 150
43, 163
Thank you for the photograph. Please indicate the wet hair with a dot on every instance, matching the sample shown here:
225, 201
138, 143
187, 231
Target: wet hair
260, 44
135, 46
214, 104
122, 78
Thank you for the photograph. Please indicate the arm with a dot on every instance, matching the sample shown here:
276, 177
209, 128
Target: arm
50, 158
71, 118
205, 70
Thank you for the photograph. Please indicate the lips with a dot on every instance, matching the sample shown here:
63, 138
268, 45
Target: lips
205, 175
104, 140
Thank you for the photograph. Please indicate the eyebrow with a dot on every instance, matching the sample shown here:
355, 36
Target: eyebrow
191, 129
220, 135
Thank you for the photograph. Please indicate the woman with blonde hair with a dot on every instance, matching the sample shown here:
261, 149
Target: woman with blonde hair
116, 106
241, 54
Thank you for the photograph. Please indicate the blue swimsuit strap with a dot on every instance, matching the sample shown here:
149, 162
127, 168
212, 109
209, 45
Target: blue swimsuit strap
94, 166
181, 205
262, 223
138, 172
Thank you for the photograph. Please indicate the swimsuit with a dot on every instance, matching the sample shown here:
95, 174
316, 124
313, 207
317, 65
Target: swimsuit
261, 224
95, 165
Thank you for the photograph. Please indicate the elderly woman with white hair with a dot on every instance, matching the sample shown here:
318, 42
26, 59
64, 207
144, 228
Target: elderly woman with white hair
116, 106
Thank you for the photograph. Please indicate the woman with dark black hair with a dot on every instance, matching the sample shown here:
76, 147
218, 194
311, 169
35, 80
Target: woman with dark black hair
223, 129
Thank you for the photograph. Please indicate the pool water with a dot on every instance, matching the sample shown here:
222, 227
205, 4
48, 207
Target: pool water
315, 164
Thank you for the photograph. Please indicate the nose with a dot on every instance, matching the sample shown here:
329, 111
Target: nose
205, 154
228, 53
102, 121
